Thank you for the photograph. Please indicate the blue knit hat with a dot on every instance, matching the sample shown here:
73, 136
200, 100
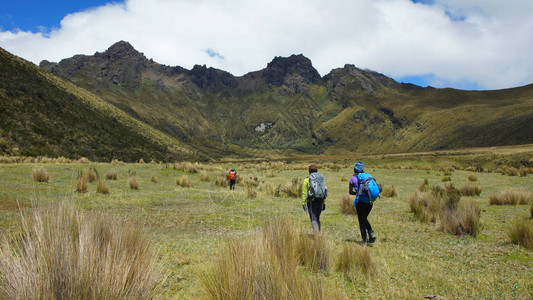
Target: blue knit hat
358, 167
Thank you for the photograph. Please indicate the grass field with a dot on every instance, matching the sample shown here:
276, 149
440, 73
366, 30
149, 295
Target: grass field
190, 225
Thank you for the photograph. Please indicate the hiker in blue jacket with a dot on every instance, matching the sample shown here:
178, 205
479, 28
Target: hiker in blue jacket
363, 205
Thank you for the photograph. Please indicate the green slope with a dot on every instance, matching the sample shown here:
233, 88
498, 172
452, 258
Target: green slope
41, 114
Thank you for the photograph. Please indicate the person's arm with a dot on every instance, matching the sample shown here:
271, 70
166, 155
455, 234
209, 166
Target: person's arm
305, 189
353, 186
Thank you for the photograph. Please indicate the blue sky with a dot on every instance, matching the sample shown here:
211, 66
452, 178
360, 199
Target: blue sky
466, 44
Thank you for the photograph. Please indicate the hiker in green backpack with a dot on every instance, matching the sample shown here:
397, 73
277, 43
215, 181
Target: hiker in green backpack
314, 194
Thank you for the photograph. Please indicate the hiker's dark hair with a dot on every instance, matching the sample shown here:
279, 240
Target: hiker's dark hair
312, 168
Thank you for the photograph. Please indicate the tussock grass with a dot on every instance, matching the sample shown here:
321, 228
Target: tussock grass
313, 251
522, 234
471, 189
154, 179
270, 174
40, 174
64, 253
91, 174
425, 206
346, 205
389, 191
424, 187
184, 181
344, 179
511, 197
133, 182
263, 268
252, 193
82, 183
84, 160
291, 189
102, 187
472, 178
221, 181
267, 188
353, 260
204, 176
188, 167
446, 178
463, 220
111, 175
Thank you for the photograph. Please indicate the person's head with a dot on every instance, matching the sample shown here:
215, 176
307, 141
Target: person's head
232, 170
312, 168
358, 167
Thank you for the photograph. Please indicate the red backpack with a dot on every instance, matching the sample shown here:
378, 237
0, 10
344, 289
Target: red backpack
232, 175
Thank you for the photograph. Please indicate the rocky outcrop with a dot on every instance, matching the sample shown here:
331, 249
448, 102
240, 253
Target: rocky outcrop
211, 78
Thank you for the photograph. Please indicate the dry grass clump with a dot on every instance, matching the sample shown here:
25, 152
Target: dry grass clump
116, 162
523, 172
184, 181
511, 171
471, 189
83, 182
446, 178
84, 160
65, 253
353, 260
264, 268
313, 251
512, 197
133, 182
204, 176
154, 179
290, 189
346, 205
221, 181
344, 179
188, 167
141, 161
111, 175
472, 178
425, 206
252, 193
91, 174
522, 234
102, 187
267, 188
424, 187
389, 191
465, 219
270, 174
40, 174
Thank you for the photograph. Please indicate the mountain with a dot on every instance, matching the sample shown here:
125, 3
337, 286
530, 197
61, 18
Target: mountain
41, 114
288, 108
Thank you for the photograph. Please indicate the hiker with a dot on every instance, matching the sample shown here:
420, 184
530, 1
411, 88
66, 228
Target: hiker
232, 176
363, 201
314, 194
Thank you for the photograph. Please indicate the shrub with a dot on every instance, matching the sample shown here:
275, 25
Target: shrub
472, 178
465, 219
184, 181
154, 179
204, 176
221, 181
83, 181
346, 205
522, 234
267, 188
65, 253
102, 187
511, 197
471, 189
111, 175
40, 174
133, 182
425, 206
389, 191
251, 193
353, 260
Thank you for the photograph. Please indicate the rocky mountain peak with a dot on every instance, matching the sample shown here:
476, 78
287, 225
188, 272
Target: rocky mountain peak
280, 69
121, 50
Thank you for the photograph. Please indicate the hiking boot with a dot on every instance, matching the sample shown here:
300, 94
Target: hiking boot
372, 237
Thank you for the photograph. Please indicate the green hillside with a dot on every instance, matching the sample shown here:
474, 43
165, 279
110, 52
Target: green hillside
41, 114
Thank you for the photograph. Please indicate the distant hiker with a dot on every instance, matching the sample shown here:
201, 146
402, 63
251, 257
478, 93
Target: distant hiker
232, 176
366, 190
314, 194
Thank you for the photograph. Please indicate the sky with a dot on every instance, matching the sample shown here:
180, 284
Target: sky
464, 44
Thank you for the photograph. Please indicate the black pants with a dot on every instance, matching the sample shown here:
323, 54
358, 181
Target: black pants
363, 209
315, 209
232, 185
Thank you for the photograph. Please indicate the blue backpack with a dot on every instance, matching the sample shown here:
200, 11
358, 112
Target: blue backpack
368, 187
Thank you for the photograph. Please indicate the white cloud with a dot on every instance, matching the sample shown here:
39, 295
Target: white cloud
476, 41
